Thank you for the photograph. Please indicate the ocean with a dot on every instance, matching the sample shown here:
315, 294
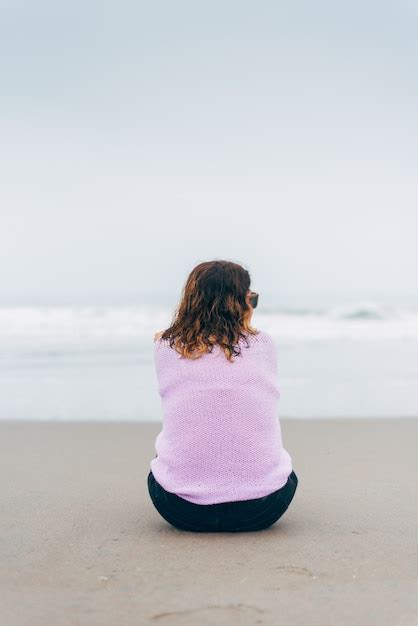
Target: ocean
96, 362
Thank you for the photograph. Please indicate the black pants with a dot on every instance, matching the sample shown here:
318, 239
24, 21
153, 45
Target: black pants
242, 515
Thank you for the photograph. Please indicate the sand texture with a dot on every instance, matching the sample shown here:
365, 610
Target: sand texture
81, 543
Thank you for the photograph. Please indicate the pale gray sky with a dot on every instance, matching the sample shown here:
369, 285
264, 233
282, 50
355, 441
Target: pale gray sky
138, 139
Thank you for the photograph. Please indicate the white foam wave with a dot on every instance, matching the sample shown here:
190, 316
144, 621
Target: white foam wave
106, 325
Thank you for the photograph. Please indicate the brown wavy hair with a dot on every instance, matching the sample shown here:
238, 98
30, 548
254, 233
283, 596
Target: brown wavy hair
213, 309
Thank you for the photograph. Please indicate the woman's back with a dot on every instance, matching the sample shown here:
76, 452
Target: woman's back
221, 437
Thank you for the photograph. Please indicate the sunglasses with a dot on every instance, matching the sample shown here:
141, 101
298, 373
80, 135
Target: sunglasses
254, 299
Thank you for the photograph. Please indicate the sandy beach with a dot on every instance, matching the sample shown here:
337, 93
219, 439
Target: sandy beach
81, 542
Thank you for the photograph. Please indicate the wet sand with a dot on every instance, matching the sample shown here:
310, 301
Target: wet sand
81, 542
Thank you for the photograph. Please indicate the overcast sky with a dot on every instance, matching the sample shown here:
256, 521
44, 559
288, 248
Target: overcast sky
140, 138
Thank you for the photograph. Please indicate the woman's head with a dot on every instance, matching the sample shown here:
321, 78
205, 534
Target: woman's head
214, 309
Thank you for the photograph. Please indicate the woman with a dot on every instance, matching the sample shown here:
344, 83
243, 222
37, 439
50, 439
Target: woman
220, 464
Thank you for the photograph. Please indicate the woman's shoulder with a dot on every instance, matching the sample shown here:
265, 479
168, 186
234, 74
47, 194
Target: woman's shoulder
263, 337
160, 343
158, 335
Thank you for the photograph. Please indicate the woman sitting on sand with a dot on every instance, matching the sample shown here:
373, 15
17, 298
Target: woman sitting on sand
220, 464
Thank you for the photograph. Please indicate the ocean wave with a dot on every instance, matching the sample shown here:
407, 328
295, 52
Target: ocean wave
365, 311
100, 327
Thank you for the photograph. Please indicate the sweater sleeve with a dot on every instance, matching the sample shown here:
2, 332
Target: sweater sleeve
272, 354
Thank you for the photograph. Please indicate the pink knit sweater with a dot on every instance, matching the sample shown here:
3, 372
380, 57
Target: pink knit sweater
221, 437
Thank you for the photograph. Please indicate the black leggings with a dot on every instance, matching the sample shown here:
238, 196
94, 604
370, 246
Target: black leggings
241, 515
